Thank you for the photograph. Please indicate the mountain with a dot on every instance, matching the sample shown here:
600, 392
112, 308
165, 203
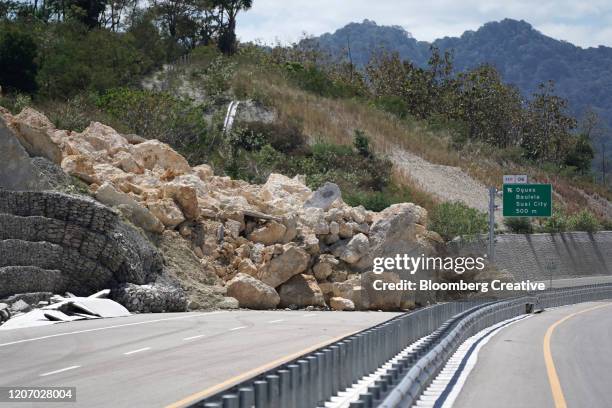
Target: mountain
524, 56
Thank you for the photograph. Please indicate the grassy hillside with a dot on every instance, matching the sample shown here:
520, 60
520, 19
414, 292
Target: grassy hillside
524, 57
323, 129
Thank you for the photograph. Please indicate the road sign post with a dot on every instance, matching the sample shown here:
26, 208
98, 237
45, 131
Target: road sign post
492, 193
527, 200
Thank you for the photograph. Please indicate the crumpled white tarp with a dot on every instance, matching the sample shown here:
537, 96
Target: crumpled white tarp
68, 309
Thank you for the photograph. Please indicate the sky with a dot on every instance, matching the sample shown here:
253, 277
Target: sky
586, 23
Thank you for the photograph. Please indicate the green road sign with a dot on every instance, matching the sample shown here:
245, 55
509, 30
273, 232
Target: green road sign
527, 200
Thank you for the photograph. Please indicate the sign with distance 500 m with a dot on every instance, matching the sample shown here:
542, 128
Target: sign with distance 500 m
527, 200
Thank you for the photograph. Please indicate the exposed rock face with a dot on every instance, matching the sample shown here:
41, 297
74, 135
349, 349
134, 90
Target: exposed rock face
290, 262
252, 293
17, 171
301, 290
32, 129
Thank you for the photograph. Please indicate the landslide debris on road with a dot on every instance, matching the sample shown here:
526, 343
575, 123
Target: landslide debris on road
267, 244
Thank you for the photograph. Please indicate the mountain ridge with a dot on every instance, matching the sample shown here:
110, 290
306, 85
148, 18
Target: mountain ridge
523, 55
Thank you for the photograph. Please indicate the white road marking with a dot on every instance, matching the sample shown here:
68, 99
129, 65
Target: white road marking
107, 327
137, 351
59, 371
238, 328
276, 321
440, 383
309, 315
194, 337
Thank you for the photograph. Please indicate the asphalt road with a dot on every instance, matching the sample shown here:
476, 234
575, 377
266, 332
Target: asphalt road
156, 360
512, 371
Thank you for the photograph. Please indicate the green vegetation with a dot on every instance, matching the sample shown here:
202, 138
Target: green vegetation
519, 225
524, 57
455, 219
583, 221
80, 61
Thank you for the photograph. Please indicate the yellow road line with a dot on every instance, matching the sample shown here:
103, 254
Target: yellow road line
235, 380
553, 378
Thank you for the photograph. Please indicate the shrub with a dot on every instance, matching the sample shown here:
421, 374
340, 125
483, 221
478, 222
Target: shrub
362, 143
371, 200
285, 137
157, 115
556, 223
583, 221
519, 225
17, 59
392, 104
455, 219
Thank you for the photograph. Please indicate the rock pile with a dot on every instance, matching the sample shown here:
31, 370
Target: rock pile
270, 245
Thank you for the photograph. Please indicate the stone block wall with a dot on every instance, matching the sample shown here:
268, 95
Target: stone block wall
536, 256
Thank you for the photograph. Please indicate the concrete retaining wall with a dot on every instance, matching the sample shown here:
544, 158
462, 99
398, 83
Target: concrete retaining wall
536, 256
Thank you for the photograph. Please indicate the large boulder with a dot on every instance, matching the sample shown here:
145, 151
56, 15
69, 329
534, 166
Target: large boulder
81, 167
353, 250
155, 155
374, 299
284, 193
17, 171
341, 304
133, 210
167, 212
185, 197
280, 269
34, 132
270, 233
393, 232
252, 293
324, 267
104, 138
301, 290
324, 197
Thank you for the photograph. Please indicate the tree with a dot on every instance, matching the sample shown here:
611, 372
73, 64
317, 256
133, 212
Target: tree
547, 127
17, 59
490, 109
228, 11
581, 154
88, 11
424, 91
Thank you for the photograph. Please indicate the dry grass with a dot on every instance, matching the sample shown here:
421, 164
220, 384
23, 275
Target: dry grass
334, 120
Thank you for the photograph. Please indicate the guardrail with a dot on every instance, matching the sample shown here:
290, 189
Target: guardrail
312, 379
415, 377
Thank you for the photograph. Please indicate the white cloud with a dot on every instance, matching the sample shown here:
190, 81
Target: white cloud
582, 23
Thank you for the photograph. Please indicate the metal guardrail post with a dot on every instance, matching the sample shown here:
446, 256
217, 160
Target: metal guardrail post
320, 395
294, 381
285, 387
335, 369
230, 401
261, 394
247, 397
304, 384
273, 391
